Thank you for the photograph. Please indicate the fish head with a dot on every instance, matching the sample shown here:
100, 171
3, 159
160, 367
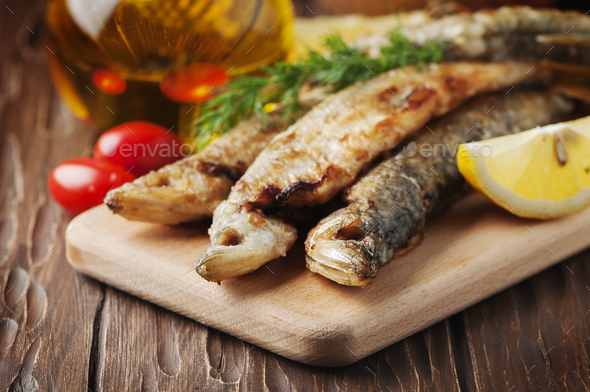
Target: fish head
342, 247
242, 240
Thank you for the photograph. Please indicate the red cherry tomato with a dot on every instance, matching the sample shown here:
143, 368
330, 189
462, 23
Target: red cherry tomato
193, 83
139, 146
82, 183
108, 81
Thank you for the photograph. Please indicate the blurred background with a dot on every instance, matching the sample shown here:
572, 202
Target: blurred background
379, 7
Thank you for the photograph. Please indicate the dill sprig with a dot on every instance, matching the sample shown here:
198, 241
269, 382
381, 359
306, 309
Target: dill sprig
247, 95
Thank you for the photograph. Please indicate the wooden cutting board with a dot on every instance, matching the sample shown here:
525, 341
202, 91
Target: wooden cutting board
470, 253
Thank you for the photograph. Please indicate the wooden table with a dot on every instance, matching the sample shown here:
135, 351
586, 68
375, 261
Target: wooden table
71, 333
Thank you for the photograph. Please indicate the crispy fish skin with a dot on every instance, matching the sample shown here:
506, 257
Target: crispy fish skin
506, 33
324, 151
190, 189
390, 204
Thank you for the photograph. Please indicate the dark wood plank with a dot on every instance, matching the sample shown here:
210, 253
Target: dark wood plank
51, 307
176, 353
61, 331
534, 336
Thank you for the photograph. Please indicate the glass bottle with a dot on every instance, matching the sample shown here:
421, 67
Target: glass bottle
109, 57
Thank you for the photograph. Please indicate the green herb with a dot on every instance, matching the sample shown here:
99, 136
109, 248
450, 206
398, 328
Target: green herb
247, 95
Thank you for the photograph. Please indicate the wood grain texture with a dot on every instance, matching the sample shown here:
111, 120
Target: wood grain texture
48, 307
488, 347
471, 252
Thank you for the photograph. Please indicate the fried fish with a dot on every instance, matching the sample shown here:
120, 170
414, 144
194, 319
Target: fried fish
389, 205
325, 150
506, 33
192, 188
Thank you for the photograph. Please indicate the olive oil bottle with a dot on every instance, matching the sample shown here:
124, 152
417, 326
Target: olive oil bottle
108, 58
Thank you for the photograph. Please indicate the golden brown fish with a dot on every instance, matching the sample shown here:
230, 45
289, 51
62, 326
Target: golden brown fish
390, 204
192, 188
323, 152
506, 33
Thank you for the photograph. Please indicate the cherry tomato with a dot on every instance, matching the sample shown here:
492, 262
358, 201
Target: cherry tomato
139, 146
193, 83
82, 183
108, 81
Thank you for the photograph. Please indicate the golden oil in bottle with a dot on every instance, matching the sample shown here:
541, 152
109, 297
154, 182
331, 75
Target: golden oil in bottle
108, 57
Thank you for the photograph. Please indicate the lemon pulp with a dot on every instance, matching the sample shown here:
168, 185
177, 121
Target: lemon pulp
541, 173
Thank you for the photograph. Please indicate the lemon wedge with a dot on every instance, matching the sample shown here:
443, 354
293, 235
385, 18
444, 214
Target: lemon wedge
542, 173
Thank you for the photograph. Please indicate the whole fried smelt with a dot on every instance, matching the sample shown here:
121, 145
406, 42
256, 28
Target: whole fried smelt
507, 33
190, 189
389, 205
323, 152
